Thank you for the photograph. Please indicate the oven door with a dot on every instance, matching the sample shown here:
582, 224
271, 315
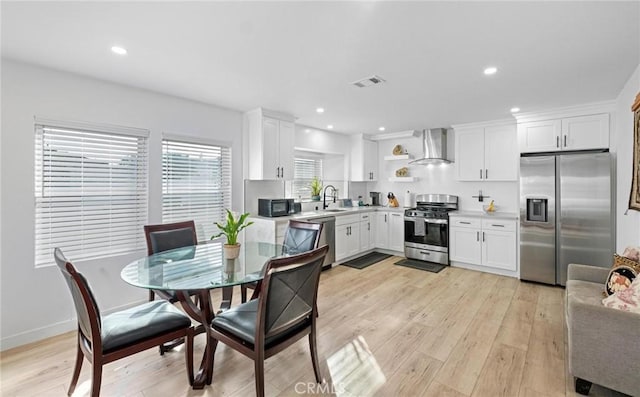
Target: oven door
428, 233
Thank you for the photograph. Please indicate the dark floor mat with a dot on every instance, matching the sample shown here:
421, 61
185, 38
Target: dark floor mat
421, 265
366, 260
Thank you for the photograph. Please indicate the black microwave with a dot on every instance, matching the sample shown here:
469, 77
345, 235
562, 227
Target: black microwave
275, 207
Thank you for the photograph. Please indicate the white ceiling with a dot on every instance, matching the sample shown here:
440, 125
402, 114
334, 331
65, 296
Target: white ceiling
296, 56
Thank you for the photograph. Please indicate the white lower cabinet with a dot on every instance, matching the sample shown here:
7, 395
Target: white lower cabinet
389, 230
367, 233
382, 229
485, 242
347, 236
396, 231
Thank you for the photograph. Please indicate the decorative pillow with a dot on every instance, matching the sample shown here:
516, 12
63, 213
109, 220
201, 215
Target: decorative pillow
632, 253
619, 279
627, 299
625, 261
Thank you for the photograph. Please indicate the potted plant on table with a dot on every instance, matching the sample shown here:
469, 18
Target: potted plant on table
230, 229
316, 189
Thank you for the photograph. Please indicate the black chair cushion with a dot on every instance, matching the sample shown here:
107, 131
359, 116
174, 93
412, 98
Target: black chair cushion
171, 239
240, 321
130, 326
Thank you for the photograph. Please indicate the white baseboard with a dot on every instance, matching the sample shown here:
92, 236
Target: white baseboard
486, 269
37, 334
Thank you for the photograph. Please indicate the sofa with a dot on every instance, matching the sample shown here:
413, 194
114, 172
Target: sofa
604, 343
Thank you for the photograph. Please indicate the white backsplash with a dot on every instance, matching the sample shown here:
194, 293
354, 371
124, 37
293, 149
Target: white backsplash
438, 179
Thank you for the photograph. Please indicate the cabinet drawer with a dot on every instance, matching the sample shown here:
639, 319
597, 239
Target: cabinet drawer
345, 219
366, 216
499, 224
465, 222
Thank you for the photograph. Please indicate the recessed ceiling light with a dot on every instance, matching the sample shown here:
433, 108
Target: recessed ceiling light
307, 130
320, 110
515, 110
330, 126
381, 128
490, 70
119, 50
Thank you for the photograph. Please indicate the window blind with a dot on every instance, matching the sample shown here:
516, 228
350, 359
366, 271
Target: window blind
90, 193
196, 184
304, 170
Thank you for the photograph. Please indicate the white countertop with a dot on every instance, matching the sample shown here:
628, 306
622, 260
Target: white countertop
481, 214
332, 212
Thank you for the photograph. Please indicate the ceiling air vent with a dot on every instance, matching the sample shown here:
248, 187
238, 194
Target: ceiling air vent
369, 81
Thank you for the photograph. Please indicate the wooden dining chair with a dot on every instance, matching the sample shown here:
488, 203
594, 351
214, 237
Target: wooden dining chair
166, 237
103, 339
284, 313
299, 237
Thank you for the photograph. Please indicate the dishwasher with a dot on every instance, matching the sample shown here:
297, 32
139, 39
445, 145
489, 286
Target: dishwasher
327, 236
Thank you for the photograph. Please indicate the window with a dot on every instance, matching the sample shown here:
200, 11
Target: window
196, 184
304, 170
90, 191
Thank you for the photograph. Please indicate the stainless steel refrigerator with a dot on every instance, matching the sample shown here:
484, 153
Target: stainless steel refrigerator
566, 214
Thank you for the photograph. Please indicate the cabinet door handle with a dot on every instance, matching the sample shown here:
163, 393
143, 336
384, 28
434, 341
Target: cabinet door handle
385, 218
486, 174
282, 172
480, 173
368, 225
497, 225
465, 223
477, 236
482, 236
557, 141
565, 141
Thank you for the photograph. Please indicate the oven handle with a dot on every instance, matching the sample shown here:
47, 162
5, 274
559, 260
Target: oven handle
428, 220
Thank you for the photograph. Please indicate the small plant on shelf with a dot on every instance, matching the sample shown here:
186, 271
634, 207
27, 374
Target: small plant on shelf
316, 189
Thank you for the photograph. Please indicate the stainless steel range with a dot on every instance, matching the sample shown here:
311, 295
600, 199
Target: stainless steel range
426, 228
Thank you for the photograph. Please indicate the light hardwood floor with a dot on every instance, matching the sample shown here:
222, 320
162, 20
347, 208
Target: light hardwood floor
383, 331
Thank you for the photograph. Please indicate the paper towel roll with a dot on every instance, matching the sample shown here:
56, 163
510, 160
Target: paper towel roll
409, 199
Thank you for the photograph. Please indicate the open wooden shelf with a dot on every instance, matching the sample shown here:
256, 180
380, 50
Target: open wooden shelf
403, 179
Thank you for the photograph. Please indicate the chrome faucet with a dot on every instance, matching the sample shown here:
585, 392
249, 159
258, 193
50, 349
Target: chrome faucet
324, 195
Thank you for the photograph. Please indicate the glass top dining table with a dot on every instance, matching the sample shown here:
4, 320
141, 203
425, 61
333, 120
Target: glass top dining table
200, 267
194, 271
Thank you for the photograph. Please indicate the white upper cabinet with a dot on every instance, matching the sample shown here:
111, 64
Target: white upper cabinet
364, 159
539, 136
586, 132
486, 152
566, 133
269, 137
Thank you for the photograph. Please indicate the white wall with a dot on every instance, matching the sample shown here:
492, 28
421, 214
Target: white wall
627, 225
36, 302
438, 179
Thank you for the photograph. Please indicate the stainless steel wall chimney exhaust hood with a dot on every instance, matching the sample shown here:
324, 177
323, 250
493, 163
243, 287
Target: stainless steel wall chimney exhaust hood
434, 146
